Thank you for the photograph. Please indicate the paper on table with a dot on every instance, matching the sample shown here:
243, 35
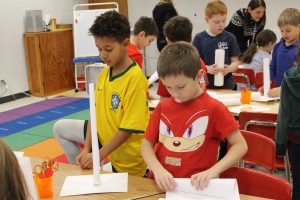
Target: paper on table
26, 168
266, 69
248, 108
228, 99
227, 190
219, 61
231, 101
153, 78
256, 96
95, 145
77, 185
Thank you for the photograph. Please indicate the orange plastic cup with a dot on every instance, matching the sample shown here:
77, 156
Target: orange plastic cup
44, 186
245, 96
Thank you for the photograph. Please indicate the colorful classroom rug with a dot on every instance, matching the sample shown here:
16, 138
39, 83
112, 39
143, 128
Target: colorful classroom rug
29, 128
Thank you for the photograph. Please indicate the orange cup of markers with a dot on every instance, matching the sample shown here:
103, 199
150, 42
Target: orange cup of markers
245, 96
44, 186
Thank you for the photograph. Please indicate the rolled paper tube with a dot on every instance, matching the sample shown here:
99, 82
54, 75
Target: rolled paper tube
95, 146
153, 78
219, 61
267, 82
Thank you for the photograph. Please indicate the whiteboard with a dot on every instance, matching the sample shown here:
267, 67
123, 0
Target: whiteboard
84, 43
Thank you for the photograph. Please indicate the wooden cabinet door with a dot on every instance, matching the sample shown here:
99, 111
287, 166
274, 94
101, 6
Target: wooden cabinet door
123, 7
34, 64
56, 51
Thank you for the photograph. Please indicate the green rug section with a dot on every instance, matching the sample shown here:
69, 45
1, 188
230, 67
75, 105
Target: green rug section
22, 140
39, 133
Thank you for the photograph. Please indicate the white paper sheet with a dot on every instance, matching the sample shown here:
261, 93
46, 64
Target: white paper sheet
228, 99
225, 189
267, 82
153, 103
256, 96
153, 78
25, 165
78, 185
19, 154
248, 108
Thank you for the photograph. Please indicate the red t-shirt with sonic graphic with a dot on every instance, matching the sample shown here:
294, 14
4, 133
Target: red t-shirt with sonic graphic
187, 135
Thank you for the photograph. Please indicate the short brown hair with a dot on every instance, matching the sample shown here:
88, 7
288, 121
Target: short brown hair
289, 16
178, 28
145, 24
178, 58
215, 7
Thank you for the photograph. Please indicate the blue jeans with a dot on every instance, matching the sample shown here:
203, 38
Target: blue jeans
295, 169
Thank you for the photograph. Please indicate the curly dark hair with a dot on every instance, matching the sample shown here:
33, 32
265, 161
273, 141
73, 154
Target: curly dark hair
111, 24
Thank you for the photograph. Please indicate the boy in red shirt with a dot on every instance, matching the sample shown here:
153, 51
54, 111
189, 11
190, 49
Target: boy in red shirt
144, 32
186, 129
179, 28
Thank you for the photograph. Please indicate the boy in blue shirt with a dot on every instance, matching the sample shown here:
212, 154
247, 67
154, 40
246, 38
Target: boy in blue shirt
284, 52
215, 37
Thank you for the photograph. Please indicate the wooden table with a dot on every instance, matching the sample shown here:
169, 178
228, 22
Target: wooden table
137, 186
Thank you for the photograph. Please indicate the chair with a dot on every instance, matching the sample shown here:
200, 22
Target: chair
261, 150
264, 124
244, 76
260, 184
259, 80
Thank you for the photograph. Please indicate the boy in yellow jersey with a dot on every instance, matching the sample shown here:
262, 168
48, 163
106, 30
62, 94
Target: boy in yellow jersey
121, 104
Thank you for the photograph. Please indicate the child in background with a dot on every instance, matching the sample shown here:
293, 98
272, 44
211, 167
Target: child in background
254, 55
121, 104
13, 184
288, 122
176, 29
215, 37
187, 128
284, 52
144, 32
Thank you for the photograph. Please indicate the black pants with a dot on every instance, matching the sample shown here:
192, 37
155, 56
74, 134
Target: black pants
295, 169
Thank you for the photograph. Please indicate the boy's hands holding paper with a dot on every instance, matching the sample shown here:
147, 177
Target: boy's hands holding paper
200, 180
164, 179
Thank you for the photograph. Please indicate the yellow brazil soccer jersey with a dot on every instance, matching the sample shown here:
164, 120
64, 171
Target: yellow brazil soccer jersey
121, 104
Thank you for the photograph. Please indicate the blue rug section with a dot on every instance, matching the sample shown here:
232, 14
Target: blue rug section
36, 119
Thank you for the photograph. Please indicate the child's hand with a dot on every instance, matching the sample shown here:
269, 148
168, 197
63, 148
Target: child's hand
86, 161
227, 69
212, 69
274, 92
81, 155
164, 179
201, 179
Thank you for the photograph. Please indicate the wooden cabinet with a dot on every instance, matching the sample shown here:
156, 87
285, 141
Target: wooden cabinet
49, 62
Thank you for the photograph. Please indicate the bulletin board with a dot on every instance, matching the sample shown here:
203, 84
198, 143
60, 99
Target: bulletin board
83, 19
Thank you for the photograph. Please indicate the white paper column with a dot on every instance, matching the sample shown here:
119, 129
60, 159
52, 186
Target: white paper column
266, 68
95, 146
219, 61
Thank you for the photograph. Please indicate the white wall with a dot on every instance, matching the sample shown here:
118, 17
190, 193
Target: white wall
13, 67
194, 10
